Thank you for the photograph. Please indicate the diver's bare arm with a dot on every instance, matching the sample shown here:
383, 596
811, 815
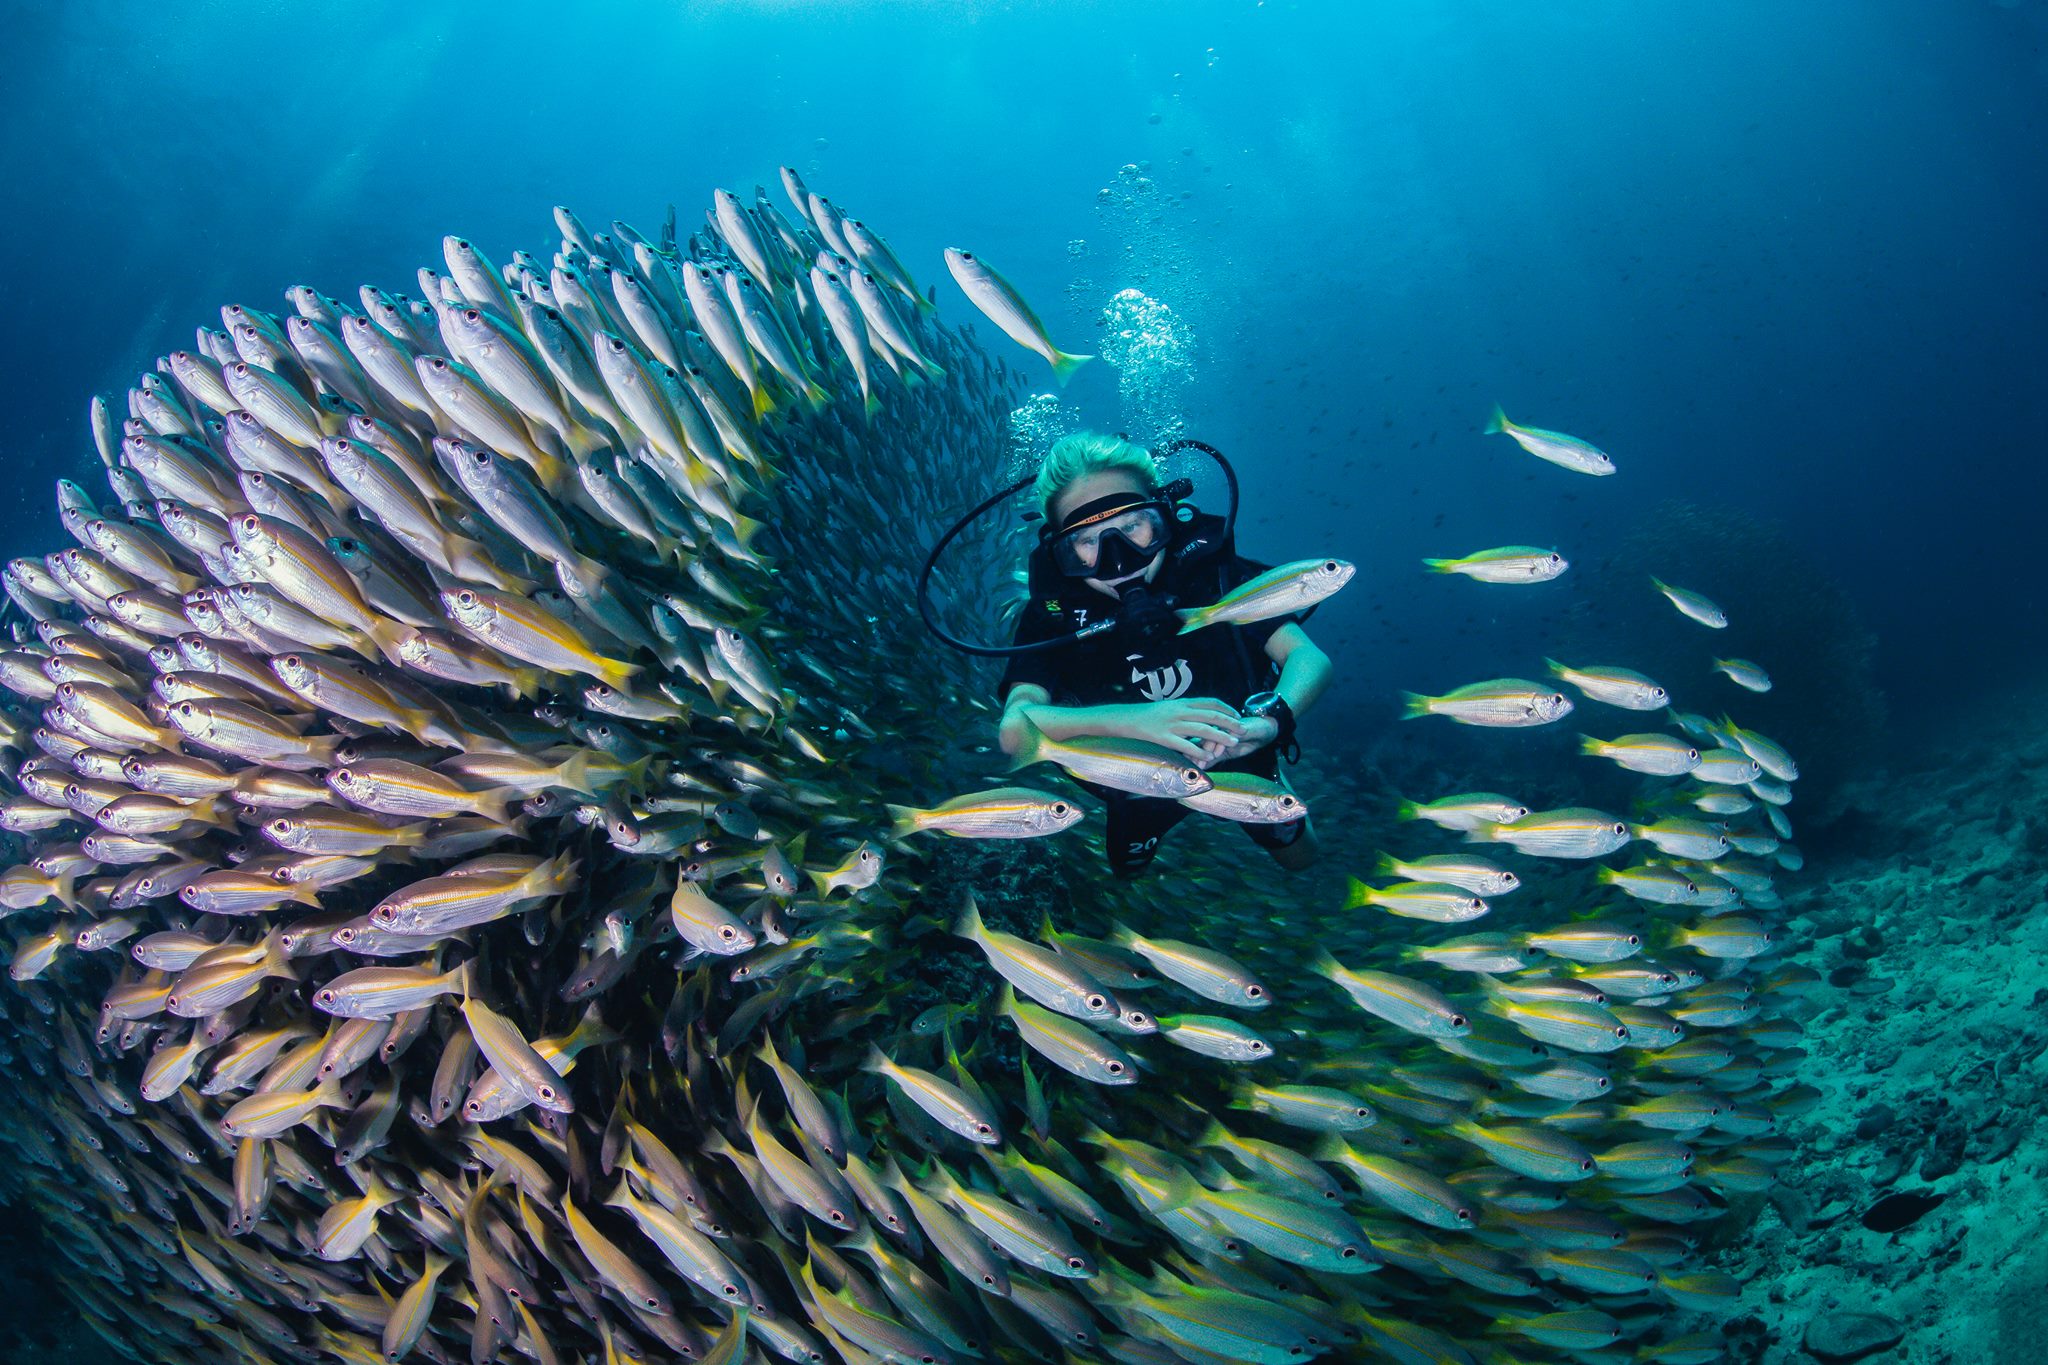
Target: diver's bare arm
1305, 671
1179, 724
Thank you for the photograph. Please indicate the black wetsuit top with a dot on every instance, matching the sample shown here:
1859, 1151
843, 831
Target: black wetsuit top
1226, 662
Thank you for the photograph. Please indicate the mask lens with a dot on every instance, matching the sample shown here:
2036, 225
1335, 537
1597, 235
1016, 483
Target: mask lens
1080, 550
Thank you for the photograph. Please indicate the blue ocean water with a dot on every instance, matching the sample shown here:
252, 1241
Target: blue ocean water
1784, 262
1779, 259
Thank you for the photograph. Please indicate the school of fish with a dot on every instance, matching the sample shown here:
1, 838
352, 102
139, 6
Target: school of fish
472, 894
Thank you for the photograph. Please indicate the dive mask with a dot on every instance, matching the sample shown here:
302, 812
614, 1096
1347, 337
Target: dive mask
1111, 537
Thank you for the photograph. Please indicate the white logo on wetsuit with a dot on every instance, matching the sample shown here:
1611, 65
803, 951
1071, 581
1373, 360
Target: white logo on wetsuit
1162, 684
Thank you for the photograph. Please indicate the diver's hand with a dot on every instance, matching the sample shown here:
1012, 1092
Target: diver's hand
1259, 731
1189, 726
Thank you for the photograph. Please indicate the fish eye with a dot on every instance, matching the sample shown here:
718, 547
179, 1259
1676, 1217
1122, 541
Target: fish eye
1255, 991
983, 1128
1458, 1021
1348, 1252
727, 933
1620, 828
966, 255
1114, 1068
1257, 1047
1096, 1002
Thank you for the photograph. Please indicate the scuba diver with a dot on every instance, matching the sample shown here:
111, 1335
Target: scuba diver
1115, 543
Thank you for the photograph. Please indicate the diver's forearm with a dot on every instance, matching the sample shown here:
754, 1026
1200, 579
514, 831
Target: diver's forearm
1074, 722
1304, 677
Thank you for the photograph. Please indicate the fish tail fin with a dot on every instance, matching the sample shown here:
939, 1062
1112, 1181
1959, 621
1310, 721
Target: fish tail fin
876, 1061
589, 574
616, 671
968, 926
1357, 894
575, 772
1414, 705
1386, 867
1191, 618
869, 404
1498, 422
494, 803
1064, 365
1030, 748
1404, 809
1439, 565
1480, 834
1123, 936
525, 682
388, 636
65, 889
559, 871
275, 963
764, 401
902, 820
1590, 746
1006, 1003
1554, 668
1326, 965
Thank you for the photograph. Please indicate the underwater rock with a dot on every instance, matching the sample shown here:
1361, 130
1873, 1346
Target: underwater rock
1945, 1156
1897, 1212
1842, 1337
1880, 1117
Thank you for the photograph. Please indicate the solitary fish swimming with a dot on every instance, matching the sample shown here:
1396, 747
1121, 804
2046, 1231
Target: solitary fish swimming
1554, 446
1291, 587
1505, 564
995, 296
1501, 703
1692, 604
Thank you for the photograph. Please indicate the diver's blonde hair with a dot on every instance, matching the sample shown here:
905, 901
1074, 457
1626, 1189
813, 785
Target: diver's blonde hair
1090, 452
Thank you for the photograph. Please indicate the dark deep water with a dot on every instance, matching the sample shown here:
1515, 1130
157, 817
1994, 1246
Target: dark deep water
1784, 262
